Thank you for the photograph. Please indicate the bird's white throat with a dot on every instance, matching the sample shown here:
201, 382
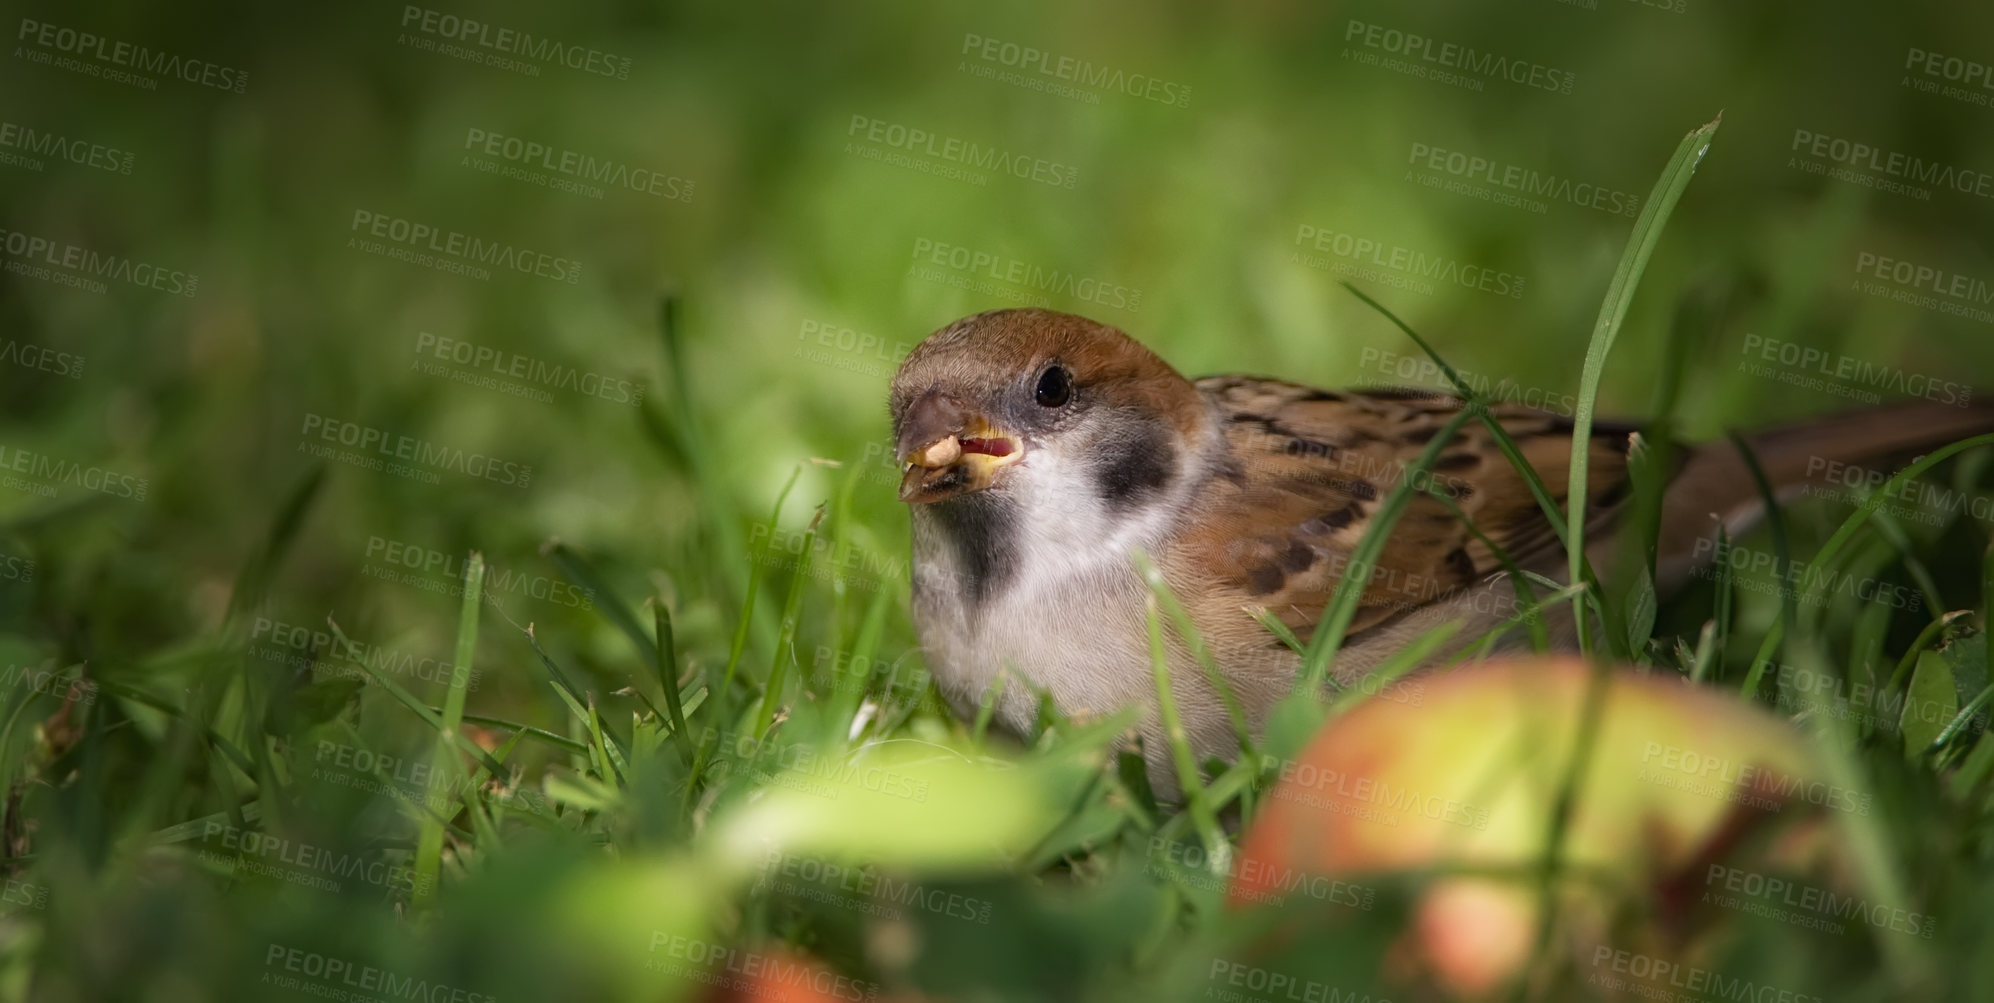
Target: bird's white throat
1038, 578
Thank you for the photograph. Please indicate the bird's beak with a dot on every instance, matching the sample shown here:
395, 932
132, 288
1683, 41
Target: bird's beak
950, 450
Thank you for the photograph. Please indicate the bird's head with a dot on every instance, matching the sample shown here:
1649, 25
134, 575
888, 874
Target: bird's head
1032, 401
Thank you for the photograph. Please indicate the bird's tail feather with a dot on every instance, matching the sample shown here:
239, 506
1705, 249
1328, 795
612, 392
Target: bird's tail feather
1715, 486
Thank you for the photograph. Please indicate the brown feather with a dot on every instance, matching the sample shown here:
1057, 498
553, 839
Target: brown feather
1318, 466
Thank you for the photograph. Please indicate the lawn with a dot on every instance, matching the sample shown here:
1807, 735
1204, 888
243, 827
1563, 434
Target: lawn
448, 537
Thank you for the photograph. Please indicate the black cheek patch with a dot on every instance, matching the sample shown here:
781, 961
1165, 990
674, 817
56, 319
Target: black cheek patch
981, 529
1136, 469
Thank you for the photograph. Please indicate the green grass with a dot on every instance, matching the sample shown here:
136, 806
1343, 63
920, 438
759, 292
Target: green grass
713, 789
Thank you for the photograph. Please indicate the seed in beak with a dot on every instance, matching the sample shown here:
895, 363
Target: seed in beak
940, 453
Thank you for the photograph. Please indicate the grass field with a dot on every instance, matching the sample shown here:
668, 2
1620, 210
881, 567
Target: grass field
448, 541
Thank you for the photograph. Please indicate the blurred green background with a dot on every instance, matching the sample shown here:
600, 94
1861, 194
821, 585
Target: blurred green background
803, 255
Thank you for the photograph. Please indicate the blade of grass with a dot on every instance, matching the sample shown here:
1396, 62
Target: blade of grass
1387, 672
723, 696
1180, 620
848, 693
841, 549
1219, 852
429, 841
1726, 598
1924, 640
1612, 312
618, 770
1707, 652
1480, 646
579, 571
161, 704
582, 714
1329, 631
1867, 839
1782, 549
1893, 531
786, 636
1831, 549
422, 710
1961, 720
1539, 638
520, 729
667, 661
1287, 637
987, 707
1504, 441
254, 578
1553, 514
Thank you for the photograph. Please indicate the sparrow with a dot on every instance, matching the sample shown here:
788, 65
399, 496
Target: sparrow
1043, 451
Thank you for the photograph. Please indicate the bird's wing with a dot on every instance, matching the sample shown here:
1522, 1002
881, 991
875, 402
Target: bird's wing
1310, 468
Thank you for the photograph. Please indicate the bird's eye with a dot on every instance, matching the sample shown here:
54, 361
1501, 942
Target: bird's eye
1055, 386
